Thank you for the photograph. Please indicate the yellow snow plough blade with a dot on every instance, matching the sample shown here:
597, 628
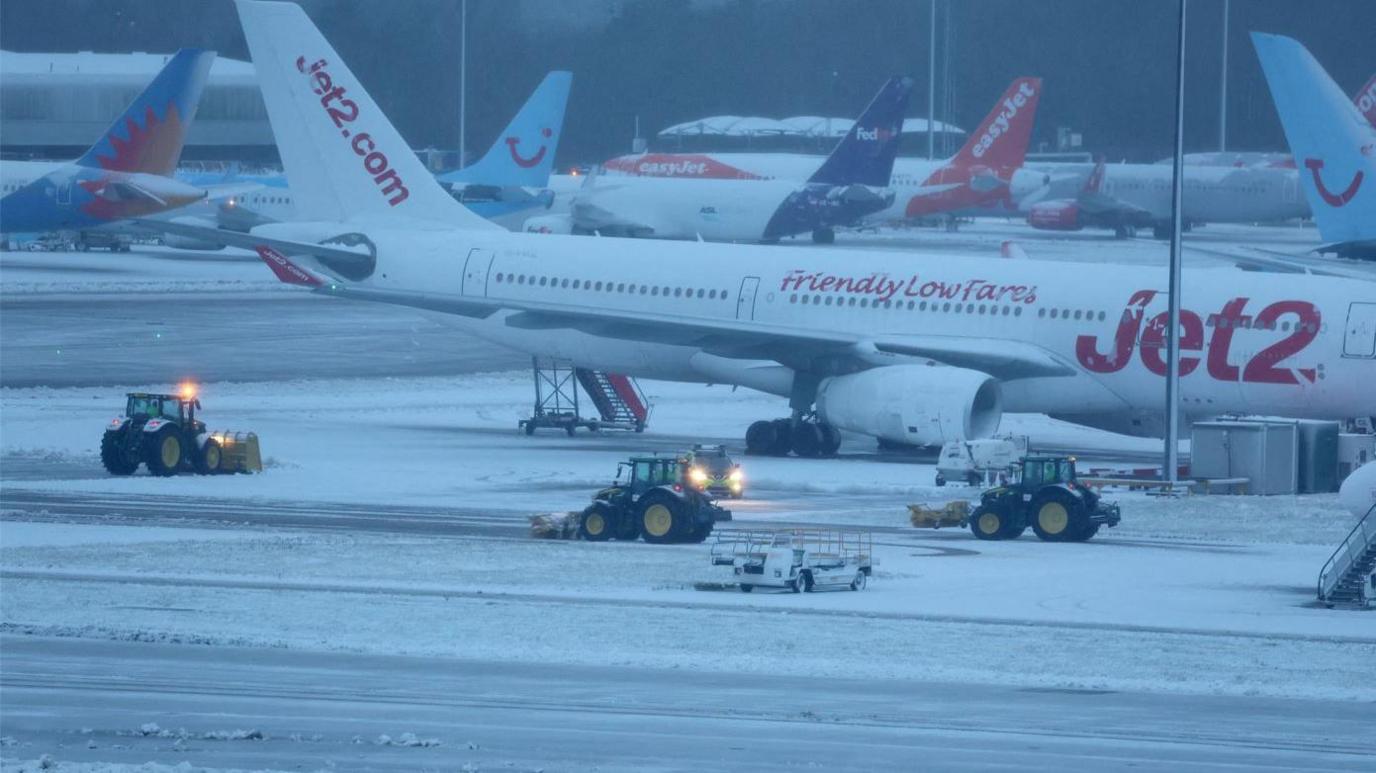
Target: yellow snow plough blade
239, 451
953, 514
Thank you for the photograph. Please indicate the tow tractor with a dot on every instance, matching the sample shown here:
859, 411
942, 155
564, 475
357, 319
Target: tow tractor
711, 469
162, 432
656, 500
796, 559
1046, 495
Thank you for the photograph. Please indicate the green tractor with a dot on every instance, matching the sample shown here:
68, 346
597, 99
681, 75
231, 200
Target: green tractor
1046, 495
163, 433
656, 501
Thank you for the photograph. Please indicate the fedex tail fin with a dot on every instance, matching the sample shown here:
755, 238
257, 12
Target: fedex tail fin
1366, 101
1333, 145
865, 155
149, 135
342, 155
1002, 138
523, 155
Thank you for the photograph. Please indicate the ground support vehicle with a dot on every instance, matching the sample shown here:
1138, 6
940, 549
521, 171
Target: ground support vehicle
796, 559
978, 462
1046, 495
711, 470
162, 432
655, 501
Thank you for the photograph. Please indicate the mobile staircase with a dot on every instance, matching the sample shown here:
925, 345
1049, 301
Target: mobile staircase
618, 399
1349, 577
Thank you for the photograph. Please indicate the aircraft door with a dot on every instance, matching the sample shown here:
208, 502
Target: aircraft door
475, 272
745, 302
1359, 338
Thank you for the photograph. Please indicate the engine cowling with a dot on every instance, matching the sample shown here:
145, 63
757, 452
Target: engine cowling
914, 404
1055, 216
549, 224
1026, 182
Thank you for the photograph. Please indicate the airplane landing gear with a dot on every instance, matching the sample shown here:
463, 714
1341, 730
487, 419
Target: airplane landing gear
805, 438
824, 236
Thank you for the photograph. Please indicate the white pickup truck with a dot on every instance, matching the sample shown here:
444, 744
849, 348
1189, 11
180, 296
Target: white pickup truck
795, 559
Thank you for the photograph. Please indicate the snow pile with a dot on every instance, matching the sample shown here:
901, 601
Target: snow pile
406, 739
151, 729
48, 764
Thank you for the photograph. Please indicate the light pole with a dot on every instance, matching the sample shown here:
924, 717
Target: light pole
1170, 474
931, 85
463, 79
1223, 91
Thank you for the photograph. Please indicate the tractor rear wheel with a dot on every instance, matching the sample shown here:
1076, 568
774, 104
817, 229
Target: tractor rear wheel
759, 438
662, 518
163, 452
1057, 516
597, 523
208, 460
117, 460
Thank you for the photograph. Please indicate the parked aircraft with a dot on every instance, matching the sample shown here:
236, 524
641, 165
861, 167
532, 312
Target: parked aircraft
1330, 139
127, 173
846, 186
986, 173
908, 348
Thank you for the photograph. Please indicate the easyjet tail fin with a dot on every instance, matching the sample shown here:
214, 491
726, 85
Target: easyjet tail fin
343, 157
523, 155
1333, 145
149, 135
1002, 138
865, 155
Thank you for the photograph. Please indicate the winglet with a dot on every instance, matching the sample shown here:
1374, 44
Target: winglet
285, 270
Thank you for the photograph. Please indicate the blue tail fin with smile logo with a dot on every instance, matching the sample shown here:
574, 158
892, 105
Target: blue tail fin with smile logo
523, 155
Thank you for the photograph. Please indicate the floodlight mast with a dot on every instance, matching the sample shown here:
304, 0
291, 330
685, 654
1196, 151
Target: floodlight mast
1171, 462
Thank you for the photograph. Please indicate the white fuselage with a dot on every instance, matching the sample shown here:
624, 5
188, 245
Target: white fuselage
679, 208
1253, 343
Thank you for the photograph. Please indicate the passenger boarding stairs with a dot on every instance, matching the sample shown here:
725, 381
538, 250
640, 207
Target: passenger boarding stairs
620, 403
1347, 578
618, 398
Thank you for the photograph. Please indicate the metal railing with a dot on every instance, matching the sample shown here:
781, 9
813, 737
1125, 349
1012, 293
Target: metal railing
1348, 553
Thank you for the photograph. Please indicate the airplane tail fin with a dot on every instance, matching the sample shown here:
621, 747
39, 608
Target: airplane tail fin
1002, 138
1095, 181
865, 155
523, 155
149, 134
1366, 101
342, 155
1333, 145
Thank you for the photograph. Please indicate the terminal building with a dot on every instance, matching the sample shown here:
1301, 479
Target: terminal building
53, 106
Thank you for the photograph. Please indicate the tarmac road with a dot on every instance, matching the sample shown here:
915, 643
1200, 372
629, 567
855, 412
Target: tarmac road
86, 700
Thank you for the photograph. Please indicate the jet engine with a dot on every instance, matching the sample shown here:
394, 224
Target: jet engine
913, 404
1055, 216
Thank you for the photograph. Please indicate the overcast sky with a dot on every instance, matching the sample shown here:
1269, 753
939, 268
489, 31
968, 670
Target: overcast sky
1108, 65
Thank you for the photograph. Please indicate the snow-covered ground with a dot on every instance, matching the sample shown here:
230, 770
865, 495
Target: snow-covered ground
1197, 596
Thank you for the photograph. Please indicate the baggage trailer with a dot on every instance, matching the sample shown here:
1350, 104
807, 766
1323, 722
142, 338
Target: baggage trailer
796, 559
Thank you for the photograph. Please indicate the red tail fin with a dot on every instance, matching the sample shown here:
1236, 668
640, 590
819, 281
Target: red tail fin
1096, 177
1001, 140
1366, 101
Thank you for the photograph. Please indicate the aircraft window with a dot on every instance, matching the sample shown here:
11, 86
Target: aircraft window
621, 288
630, 289
564, 283
981, 308
864, 302
576, 284
725, 295
851, 301
1053, 313
544, 280
654, 291
711, 294
1101, 316
970, 309
499, 277
644, 289
1065, 313
520, 279
1017, 312
701, 292
666, 291
828, 300
598, 286
793, 298
1077, 314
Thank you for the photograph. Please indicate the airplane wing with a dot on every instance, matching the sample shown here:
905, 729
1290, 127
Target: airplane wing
736, 339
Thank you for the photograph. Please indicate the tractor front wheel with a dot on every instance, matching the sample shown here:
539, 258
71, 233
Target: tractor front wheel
208, 461
114, 455
990, 524
597, 523
163, 452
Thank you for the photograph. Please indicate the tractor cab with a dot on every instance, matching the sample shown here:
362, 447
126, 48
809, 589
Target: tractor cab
642, 473
143, 407
1036, 471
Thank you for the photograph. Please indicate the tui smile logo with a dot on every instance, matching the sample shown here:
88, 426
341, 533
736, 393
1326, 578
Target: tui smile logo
526, 163
1330, 198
